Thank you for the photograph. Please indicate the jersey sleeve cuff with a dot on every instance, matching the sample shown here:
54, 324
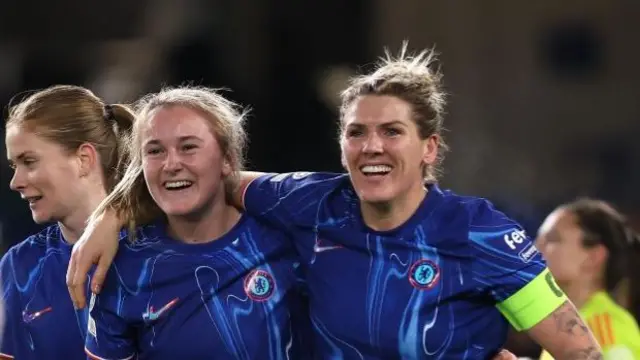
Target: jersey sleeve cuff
534, 302
93, 356
247, 189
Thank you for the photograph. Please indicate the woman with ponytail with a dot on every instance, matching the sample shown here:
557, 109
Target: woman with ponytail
595, 257
67, 149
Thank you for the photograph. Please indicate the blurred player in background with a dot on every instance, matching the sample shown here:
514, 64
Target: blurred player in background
67, 149
200, 280
396, 267
595, 257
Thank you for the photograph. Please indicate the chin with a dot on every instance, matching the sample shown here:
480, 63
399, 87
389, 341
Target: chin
41, 218
185, 209
179, 211
375, 197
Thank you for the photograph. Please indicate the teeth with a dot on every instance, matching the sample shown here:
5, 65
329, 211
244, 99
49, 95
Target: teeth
33, 199
376, 169
177, 184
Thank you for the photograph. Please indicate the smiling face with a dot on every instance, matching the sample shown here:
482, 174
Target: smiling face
45, 174
382, 149
183, 164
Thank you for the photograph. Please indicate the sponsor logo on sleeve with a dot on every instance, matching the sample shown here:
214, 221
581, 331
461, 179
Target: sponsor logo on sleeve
516, 239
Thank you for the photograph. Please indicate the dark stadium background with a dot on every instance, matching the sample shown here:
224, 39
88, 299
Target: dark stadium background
543, 94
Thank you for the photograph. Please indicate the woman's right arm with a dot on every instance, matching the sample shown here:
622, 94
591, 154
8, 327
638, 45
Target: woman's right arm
264, 199
98, 245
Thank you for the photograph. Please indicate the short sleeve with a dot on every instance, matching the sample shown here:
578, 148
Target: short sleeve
12, 337
108, 335
508, 266
287, 200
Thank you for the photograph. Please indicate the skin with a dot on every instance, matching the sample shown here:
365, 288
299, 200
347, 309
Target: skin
577, 269
69, 185
179, 146
379, 129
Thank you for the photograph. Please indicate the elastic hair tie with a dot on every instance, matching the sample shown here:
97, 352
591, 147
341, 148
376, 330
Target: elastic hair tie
108, 113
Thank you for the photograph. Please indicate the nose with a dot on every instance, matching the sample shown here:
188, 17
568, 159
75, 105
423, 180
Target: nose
172, 162
373, 144
17, 182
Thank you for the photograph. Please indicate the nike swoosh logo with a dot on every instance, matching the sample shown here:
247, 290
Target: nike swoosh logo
317, 248
28, 317
152, 315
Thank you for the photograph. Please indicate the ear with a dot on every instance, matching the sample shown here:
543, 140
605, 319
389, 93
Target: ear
343, 161
88, 158
343, 157
226, 167
430, 149
597, 258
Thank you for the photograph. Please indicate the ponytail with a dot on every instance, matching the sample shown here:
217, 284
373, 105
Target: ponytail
603, 225
70, 116
128, 195
633, 274
122, 118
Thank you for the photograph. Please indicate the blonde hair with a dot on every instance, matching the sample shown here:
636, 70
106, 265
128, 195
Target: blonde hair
412, 79
131, 198
71, 116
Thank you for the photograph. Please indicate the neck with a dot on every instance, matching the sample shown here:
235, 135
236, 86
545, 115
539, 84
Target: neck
581, 292
390, 215
73, 225
204, 227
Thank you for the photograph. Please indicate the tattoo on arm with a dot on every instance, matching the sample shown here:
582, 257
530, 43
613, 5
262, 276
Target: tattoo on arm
590, 353
569, 322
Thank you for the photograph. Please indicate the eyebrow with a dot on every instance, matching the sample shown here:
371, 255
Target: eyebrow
180, 139
385, 124
21, 156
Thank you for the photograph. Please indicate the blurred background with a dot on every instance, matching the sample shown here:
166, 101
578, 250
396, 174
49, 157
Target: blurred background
543, 103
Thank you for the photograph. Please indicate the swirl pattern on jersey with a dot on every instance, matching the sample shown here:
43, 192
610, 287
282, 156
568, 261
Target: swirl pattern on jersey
233, 293
36, 299
425, 290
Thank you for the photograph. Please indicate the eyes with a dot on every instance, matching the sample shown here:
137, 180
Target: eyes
392, 131
27, 162
186, 148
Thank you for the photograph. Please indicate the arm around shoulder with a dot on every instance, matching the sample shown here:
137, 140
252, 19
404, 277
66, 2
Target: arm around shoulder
98, 245
245, 178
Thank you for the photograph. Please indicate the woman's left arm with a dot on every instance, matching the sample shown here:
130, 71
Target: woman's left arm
565, 336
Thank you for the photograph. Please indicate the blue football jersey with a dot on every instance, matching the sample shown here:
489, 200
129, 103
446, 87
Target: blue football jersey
237, 297
438, 287
41, 322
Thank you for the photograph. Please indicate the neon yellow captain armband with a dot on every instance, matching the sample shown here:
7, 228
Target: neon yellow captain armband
534, 302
